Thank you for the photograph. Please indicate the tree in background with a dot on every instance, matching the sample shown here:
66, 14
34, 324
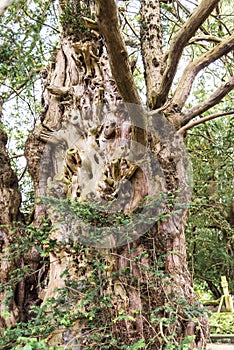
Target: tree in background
106, 245
210, 227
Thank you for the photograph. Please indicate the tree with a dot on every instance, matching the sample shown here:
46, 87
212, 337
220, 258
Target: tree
112, 176
209, 227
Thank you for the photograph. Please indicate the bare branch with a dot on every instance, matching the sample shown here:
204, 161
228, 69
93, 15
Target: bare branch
23, 173
205, 38
185, 85
183, 36
17, 156
214, 99
204, 120
108, 24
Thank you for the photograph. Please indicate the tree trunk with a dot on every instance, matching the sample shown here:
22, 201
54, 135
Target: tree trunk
10, 200
124, 270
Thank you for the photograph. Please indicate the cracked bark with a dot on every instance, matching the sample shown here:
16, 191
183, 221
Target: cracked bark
85, 157
10, 200
24, 290
151, 41
80, 151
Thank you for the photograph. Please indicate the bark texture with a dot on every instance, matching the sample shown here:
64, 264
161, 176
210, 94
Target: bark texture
151, 41
97, 145
89, 156
10, 200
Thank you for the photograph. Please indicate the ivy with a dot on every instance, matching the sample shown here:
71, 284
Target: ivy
72, 20
82, 301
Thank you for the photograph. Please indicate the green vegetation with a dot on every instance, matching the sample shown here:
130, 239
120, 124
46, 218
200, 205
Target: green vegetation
209, 230
28, 41
84, 301
222, 323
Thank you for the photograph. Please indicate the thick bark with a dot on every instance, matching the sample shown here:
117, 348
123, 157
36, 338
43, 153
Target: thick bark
87, 163
85, 150
10, 200
88, 154
151, 41
24, 289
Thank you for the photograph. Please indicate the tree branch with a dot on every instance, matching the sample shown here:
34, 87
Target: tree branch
204, 120
183, 36
185, 85
204, 38
214, 99
108, 23
151, 46
17, 156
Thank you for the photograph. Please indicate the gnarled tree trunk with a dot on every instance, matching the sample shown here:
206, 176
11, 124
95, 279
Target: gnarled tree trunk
99, 146
113, 178
9, 207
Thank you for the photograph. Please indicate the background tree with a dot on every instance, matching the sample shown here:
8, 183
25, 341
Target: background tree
98, 146
209, 228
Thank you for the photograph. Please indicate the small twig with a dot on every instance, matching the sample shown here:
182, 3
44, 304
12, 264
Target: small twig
129, 24
201, 135
17, 156
20, 89
161, 332
23, 173
41, 22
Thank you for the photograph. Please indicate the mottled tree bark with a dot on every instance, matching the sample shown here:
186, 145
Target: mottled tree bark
151, 41
10, 200
97, 144
87, 132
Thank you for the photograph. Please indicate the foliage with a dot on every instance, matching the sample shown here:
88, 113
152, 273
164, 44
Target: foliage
25, 46
23, 52
85, 302
33, 344
222, 323
209, 233
72, 19
28, 38
102, 220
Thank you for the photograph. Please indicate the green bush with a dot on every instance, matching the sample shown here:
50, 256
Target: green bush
222, 323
